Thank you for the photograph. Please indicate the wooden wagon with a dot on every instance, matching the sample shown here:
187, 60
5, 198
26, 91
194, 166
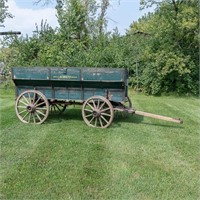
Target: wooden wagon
100, 91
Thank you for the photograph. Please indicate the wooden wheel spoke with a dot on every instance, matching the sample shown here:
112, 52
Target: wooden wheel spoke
38, 116
88, 110
106, 114
104, 119
34, 118
25, 115
102, 111
26, 99
92, 119
89, 115
98, 103
95, 123
20, 101
37, 100
38, 108
41, 113
29, 97
39, 104
90, 106
102, 105
22, 112
93, 103
34, 96
22, 106
100, 122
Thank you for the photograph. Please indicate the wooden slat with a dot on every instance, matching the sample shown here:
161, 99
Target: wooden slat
179, 121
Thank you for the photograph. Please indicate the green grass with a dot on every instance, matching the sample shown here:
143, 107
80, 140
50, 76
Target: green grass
135, 158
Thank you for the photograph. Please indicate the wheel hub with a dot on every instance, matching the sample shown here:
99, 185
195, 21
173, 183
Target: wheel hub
30, 108
96, 113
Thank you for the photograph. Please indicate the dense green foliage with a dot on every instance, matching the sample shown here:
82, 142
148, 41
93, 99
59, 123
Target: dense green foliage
3, 12
161, 48
171, 54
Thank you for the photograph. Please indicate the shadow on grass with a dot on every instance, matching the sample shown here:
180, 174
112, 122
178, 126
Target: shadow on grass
75, 114
127, 117
164, 125
68, 114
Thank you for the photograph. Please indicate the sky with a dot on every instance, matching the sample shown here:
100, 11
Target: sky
120, 14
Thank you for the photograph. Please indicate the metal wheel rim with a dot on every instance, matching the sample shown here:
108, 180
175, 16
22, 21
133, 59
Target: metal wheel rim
32, 107
97, 112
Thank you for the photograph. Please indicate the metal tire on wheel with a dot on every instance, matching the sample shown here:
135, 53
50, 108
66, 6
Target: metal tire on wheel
32, 107
97, 112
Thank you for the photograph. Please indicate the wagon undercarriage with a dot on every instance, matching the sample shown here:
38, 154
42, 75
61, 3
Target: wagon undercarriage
33, 107
97, 111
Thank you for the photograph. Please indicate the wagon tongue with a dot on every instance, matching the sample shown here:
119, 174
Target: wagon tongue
170, 119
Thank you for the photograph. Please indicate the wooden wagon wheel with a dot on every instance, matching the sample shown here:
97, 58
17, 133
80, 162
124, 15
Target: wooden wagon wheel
97, 112
57, 108
32, 107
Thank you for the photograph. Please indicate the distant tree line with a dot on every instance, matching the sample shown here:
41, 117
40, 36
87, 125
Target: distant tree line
161, 48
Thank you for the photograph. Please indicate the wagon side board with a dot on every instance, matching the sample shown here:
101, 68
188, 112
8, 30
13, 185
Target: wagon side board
72, 83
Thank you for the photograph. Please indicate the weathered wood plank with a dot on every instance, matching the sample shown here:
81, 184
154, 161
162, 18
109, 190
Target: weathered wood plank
146, 114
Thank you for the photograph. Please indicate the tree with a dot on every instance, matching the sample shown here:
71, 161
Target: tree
86, 14
4, 12
72, 18
170, 57
102, 20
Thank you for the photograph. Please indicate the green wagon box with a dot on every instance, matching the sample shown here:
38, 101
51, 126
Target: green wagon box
73, 83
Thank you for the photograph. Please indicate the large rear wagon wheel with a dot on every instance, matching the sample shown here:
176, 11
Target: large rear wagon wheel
98, 112
32, 107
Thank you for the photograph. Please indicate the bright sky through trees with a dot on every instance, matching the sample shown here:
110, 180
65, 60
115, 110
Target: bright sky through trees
26, 14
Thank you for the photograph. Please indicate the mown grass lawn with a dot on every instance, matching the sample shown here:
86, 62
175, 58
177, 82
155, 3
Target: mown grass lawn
135, 158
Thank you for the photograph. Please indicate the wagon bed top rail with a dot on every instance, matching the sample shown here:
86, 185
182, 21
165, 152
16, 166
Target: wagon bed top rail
70, 74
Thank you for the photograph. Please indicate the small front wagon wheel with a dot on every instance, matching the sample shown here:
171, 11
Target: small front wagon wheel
98, 112
32, 107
